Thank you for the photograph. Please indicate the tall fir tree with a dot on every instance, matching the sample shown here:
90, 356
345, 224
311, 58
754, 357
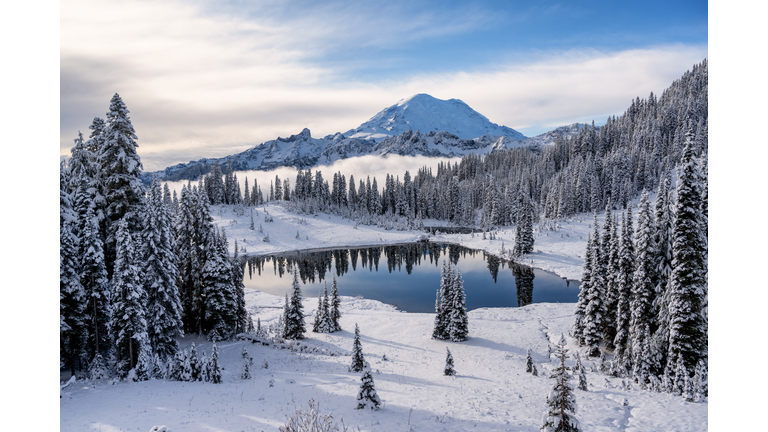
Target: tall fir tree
687, 322
611, 248
96, 284
221, 311
623, 348
643, 290
160, 275
584, 289
129, 324
121, 170
243, 318
594, 310
73, 326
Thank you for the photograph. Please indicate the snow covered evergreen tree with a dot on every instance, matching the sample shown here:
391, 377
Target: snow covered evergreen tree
458, 322
643, 290
623, 351
524, 231
247, 361
243, 318
121, 170
561, 402
594, 311
129, 325
326, 320
294, 318
529, 362
367, 397
584, 289
442, 318
160, 275
358, 361
334, 304
687, 322
73, 327
318, 313
221, 309
448, 370
579, 369
215, 369
96, 284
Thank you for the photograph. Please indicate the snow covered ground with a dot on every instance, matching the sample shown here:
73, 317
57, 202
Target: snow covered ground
491, 392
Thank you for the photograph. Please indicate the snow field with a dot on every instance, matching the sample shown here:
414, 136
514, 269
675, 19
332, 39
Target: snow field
490, 392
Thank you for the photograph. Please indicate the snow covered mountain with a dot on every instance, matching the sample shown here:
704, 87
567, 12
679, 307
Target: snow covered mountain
420, 125
425, 113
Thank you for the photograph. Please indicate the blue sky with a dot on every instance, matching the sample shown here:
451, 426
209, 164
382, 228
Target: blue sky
208, 79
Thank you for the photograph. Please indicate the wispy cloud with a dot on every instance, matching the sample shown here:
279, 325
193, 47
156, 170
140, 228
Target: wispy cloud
202, 81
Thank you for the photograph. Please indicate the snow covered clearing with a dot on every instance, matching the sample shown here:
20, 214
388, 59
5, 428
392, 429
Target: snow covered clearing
491, 390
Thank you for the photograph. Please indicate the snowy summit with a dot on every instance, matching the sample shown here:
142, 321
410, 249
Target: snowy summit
425, 113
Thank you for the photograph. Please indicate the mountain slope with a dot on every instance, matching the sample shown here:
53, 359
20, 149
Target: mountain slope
425, 113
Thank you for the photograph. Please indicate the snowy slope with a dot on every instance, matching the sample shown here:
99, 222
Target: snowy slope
425, 113
491, 392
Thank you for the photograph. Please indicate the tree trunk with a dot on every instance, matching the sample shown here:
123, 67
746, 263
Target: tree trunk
130, 351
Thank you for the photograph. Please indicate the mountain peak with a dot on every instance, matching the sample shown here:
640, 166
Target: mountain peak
427, 113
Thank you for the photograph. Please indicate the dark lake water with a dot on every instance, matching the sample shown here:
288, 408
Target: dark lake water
408, 276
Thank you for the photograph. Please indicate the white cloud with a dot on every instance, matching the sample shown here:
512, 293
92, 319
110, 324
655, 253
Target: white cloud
212, 85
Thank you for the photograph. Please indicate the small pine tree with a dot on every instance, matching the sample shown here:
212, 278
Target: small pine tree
294, 317
205, 368
143, 363
535, 371
689, 393
367, 397
448, 370
318, 313
175, 367
701, 381
194, 363
358, 362
603, 364
158, 367
334, 304
681, 374
215, 369
529, 362
186, 367
561, 401
326, 320
246, 364
98, 368
579, 369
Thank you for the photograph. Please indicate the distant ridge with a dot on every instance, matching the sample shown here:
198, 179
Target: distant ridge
417, 126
